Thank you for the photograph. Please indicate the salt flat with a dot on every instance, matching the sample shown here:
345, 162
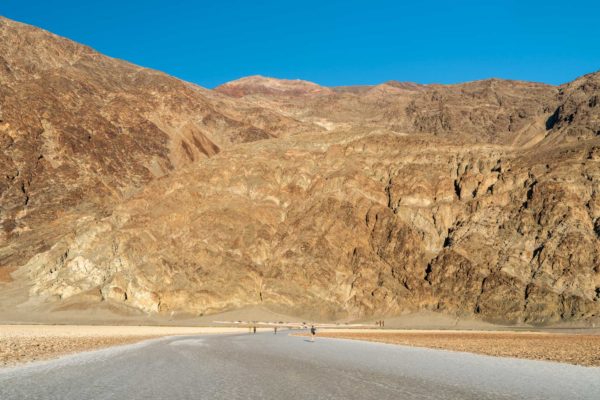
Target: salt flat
280, 366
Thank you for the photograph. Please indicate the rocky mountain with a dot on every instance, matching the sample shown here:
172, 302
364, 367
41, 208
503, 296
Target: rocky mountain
260, 85
80, 131
577, 116
137, 192
492, 111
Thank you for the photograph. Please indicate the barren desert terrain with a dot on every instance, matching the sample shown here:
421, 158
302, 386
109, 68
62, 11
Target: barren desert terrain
268, 366
580, 349
24, 343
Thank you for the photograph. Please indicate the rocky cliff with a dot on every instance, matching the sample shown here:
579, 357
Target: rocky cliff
129, 188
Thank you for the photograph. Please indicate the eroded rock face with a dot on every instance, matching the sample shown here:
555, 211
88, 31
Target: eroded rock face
127, 187
578, 115
355, 225
493, 110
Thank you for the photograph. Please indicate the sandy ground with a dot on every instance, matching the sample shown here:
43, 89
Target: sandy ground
25, 343
580, 349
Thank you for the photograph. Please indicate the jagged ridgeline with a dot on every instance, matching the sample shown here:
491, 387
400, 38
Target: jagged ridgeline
128, 190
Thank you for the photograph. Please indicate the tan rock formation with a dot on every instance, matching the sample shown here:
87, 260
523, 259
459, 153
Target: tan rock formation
130, 188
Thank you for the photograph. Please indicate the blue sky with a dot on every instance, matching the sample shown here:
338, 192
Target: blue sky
334, 42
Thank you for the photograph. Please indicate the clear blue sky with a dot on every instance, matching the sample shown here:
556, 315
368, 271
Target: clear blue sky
334, 42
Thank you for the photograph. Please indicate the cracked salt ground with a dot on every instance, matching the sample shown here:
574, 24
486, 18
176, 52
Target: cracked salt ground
268, 367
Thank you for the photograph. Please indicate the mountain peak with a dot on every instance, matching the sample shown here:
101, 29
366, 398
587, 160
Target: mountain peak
258, 84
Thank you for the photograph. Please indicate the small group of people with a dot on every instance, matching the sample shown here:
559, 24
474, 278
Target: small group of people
381, 323
313, 331
252, 329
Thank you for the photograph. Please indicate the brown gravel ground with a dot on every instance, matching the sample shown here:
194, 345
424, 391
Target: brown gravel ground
26, 349
577, 349
5, 276
26, 343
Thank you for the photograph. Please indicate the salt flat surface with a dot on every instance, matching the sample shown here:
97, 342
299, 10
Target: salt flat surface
267, 366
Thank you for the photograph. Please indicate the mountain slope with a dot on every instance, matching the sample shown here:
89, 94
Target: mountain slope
80, 131
493, 111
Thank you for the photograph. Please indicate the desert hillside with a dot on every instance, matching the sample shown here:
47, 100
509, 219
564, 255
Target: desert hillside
129, 190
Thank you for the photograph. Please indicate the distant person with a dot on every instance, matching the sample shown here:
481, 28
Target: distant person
275, 331
254, 329
313, 333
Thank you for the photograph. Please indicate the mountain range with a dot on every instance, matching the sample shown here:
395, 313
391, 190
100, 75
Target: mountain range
127, 190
